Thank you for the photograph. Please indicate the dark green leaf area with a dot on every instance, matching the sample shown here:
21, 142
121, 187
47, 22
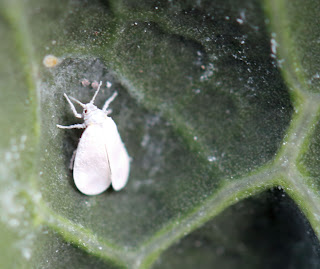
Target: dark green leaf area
266, 231
304, 33
60, 254
70, 27
231, 101
189, 7
163, 170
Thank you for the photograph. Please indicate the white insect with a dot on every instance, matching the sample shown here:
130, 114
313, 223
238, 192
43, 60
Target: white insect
101, 157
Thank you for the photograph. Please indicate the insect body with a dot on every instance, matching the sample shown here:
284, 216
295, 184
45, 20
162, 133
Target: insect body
101, 158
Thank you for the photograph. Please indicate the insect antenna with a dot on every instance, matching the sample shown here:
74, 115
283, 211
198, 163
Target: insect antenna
95, 94
77, 101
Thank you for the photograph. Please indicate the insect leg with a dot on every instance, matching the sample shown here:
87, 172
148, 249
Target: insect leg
78, 115
72, 159
74, 126
110, 99
108, 111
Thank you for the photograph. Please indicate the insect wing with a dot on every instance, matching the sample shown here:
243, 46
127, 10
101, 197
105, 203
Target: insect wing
118, 156
91, 171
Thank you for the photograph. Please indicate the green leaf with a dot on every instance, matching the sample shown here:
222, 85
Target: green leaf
217, 105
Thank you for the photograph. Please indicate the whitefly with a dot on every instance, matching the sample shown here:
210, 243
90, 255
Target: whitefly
101, 158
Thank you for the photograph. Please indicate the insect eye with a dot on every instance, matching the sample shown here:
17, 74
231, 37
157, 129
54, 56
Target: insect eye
85, 111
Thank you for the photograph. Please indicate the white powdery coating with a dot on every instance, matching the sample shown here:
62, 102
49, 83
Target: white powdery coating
274, 46
108, 84
212, 158
12, 204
